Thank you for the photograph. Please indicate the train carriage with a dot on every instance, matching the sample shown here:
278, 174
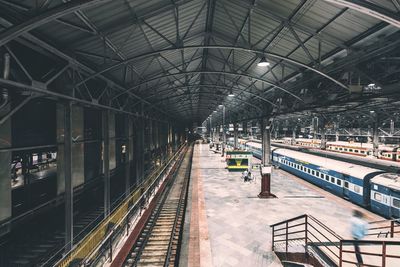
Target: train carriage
386, 152
341, 178
385, 195
367, 187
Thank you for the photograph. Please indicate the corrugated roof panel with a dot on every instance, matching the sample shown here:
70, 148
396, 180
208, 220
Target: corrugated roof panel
283, 45
191, 17
262, 29
349, 25
276, 6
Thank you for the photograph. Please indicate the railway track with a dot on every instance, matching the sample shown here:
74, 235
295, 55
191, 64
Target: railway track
159, 241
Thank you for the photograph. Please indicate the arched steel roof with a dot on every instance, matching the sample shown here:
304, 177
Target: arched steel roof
117, 54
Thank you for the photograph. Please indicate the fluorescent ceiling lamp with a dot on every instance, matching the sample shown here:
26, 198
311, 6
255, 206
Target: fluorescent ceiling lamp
231, 93
263, 62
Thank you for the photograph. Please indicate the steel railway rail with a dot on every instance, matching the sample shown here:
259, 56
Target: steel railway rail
159, 241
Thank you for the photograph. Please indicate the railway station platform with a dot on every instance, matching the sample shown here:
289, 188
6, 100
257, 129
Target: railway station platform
226, 223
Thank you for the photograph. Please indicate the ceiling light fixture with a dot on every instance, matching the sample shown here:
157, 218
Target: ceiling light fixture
263, 62
231, 93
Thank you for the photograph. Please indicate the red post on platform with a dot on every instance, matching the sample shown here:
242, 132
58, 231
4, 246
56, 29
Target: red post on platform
266, 183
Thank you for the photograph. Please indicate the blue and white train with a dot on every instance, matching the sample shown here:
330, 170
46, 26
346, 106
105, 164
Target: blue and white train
371, 188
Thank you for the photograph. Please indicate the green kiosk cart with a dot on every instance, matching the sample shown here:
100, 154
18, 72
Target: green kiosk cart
238, 160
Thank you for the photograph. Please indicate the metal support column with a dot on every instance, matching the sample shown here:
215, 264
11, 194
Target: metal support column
142, 148
315, 128
391, 127
323, 135
266, 169
223, 131
128, 148
293, 141
336, 131
375, 135
106, 162
5, 161
235, 135
211, 131
69, 190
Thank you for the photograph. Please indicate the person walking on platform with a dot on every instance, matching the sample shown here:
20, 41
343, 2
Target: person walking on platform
245, 175
359, 228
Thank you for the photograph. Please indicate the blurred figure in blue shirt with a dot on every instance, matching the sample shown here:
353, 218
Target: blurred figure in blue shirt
359, 228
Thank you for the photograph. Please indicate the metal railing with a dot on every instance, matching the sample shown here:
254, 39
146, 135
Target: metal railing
385, 228
118, 216
309, 232
312, 233
382, 258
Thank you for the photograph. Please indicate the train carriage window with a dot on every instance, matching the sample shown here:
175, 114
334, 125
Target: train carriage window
351, 150
339, 182
396, 203
332, 179
357, 189
346, 184
356, 150
322, 176
378, 197
313, 172
327, 177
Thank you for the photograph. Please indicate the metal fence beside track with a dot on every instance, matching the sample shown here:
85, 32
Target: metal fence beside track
93, 242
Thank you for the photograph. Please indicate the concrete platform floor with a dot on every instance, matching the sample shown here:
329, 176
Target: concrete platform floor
227, 225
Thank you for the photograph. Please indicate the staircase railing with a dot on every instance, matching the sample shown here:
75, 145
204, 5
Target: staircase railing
385, 228
376, 253
308, 232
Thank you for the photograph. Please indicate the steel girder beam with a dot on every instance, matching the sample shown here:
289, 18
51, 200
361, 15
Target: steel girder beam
213, 72
188, 107
73, 61
45, 17
207, 37
208, 93
249, 50
370, 9
237, 89
45, 92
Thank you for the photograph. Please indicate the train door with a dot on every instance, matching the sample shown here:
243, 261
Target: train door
395, 207
346, 185
395, 154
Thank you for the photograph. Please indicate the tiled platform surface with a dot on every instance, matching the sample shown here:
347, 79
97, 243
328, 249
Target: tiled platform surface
229, 225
